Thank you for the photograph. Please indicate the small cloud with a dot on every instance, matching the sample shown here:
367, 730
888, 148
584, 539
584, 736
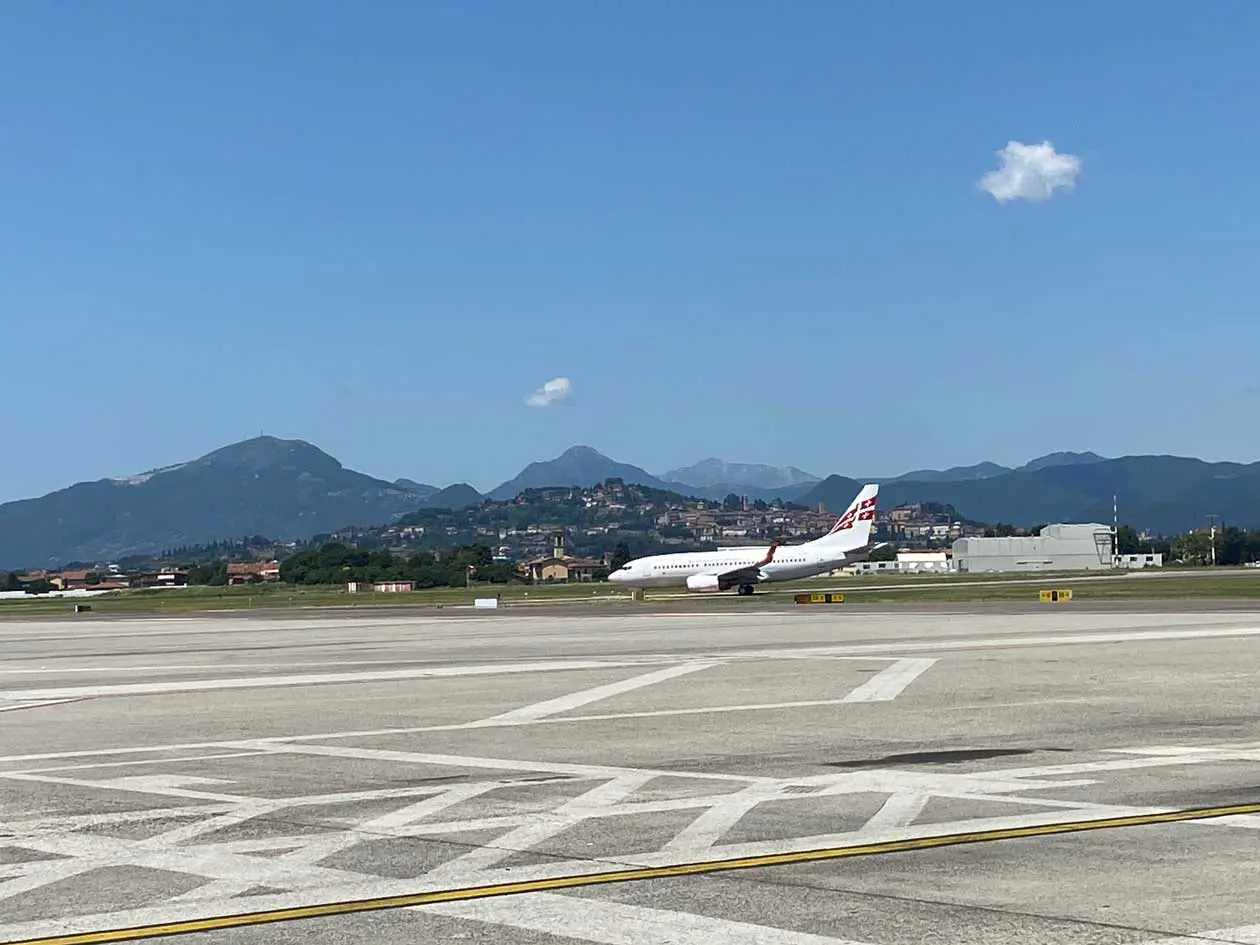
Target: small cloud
1031, 172
554, 390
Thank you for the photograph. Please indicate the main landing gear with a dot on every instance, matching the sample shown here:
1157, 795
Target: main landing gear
745, 590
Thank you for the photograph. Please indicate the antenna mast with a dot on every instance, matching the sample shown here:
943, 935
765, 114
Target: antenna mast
1115, 531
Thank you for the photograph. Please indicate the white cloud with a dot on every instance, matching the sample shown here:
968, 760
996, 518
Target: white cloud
1031, 172
555, 389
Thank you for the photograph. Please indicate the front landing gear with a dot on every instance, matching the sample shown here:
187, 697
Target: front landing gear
745, 590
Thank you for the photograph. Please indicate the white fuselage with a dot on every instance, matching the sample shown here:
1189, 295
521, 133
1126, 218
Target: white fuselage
790, 562
708, 571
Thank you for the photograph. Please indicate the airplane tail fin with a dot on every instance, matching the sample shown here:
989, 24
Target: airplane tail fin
853, 530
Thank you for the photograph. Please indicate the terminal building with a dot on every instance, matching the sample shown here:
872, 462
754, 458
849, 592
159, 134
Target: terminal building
1057, 548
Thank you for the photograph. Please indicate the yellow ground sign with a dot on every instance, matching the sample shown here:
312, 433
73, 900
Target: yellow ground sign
819, 598
1057, 595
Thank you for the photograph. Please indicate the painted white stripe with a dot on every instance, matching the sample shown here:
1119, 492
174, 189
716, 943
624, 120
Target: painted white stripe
616, 923
55, 670
1215, 752
1243, 935
167, 627
468, 761
1246, 821
700, 710
575, 700
37, 705
717, 821
848, 838
1131, 764
177, 759
87, 852
139, 785
560, 868
900, 810
313, 849
1004, 642
390, 823
539, 828
46, 825
181, 835
499, 722
307, 679
886, 685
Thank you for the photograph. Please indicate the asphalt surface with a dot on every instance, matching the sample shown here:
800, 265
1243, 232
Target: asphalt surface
177, 771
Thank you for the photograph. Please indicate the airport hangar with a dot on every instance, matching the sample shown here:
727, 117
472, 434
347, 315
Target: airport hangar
1086, 547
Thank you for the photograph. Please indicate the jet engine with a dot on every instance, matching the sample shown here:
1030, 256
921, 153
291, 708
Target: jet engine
703, 583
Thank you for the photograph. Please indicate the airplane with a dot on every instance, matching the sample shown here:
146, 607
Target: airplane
712, 571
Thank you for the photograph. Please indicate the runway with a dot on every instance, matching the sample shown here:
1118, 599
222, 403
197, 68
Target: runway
807, 777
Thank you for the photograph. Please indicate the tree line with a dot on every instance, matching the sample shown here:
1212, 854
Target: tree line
338, 563
1231, 546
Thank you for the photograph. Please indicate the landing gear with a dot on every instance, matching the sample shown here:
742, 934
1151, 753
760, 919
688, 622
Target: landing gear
745, 590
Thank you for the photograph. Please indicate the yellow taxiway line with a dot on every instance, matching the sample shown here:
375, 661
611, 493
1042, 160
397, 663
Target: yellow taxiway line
631, 875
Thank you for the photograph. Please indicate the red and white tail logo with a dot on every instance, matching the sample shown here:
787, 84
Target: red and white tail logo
861, 510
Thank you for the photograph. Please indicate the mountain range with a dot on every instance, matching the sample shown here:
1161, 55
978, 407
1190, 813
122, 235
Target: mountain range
290, 489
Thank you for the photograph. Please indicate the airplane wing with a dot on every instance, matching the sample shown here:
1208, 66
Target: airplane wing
724, 581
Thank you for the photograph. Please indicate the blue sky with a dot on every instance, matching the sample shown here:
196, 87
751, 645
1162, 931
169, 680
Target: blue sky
751, 230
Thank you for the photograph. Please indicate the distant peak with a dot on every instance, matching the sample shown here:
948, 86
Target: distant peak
263, 451
580, 452
1062, 458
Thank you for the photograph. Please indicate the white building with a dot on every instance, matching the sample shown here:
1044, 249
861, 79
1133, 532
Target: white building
908, 562
1058, 548
1140, 561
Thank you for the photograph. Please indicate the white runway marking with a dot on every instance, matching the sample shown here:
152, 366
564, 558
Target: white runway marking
575, 700
466, 868
194, 667
887, 684
1002, 642
308, 679
39, 705
646, 714
614, 923
702, 833
178, 759
1243, 935
468, 761
900, 810
138, 785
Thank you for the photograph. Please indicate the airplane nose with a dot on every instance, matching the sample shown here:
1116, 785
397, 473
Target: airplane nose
616, 577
